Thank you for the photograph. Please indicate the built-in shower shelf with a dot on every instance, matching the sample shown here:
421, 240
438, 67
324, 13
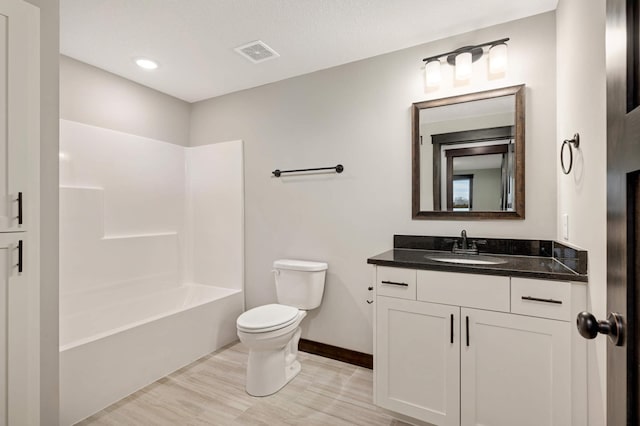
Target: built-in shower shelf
147, 235
93, 188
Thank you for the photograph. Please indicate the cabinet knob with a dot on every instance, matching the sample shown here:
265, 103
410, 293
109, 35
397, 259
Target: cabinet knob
370, 288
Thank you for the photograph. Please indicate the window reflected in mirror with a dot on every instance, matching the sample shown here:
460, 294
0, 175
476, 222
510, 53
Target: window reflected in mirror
461, 199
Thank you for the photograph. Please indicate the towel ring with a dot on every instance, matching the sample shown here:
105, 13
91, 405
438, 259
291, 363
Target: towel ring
567, 143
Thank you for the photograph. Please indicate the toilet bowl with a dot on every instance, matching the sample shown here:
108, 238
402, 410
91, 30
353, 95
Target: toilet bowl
272, 350
272, 332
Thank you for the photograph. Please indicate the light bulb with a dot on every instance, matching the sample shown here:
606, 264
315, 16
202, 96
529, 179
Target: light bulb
432, 75
147, 64
498, 59
463, 66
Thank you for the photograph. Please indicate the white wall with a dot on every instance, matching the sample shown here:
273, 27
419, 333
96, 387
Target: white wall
215, 214
93, 96
135, 210
359, 115
122, 202
120, 124
581, 108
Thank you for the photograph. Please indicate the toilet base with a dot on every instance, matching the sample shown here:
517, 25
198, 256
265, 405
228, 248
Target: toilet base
270, 370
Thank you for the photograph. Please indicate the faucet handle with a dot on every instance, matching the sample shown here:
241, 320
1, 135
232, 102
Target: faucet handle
473, 245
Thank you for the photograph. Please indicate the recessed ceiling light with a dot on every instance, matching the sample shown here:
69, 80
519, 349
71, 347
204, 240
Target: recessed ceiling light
147, 64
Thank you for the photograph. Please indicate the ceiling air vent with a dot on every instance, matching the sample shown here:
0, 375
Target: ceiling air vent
256, 51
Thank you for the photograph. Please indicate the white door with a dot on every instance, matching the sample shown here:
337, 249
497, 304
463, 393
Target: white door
515, 370
15, 105
418, 365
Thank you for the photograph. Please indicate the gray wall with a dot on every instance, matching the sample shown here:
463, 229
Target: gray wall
359, 115
49, 95
93, 96
487, 188
583, 193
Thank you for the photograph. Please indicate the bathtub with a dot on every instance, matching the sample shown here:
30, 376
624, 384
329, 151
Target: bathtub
117, 340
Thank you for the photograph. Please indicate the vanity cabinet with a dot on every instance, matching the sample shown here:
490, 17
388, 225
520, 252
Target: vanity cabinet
514, 370
418, 359
478, 349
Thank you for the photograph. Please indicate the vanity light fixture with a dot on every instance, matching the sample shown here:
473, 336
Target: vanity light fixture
498, 58
463, 59
146, 64
432, 74
463, 66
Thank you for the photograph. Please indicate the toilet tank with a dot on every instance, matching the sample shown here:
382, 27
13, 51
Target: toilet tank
300, 283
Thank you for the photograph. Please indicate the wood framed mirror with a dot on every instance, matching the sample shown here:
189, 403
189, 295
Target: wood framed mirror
468, 156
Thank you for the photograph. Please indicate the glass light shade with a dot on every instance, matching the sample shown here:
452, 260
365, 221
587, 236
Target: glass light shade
498, 59
463, 66
432, 75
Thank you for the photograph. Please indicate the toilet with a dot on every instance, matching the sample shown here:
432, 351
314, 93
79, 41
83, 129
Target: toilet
271, 332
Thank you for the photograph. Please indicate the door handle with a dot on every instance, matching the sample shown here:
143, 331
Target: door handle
613, 326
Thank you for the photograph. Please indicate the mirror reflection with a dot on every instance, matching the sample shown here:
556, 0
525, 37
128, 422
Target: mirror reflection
469, 156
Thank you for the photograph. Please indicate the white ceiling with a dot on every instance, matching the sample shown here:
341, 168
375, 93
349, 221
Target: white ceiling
477, 162
193, 40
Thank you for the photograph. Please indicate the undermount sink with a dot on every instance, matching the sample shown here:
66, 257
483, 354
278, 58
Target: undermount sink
471, 259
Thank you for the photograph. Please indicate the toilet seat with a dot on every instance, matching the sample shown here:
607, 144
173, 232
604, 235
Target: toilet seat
267, 318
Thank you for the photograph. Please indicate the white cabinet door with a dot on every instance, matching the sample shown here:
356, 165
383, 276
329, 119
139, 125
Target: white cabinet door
19, 111
13, 330
515, 370
418, 359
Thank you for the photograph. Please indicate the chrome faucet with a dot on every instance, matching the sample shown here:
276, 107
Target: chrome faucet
463, 246
463, 234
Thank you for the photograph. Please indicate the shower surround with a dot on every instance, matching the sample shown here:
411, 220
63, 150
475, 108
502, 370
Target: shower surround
151, 260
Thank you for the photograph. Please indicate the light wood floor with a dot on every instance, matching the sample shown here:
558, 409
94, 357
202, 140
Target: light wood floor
211, 391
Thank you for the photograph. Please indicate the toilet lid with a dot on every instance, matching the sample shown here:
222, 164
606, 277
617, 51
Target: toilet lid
267, 318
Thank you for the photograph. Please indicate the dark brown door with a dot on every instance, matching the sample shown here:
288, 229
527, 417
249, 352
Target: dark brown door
623, 215
623, 170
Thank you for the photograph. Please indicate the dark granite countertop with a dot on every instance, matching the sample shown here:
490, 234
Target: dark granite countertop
528, 265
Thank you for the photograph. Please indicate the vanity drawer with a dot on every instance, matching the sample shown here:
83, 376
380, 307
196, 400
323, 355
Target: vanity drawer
473, 291
539, 298
396, 282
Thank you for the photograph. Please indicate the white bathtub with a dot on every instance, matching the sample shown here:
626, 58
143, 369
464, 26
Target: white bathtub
115, 348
